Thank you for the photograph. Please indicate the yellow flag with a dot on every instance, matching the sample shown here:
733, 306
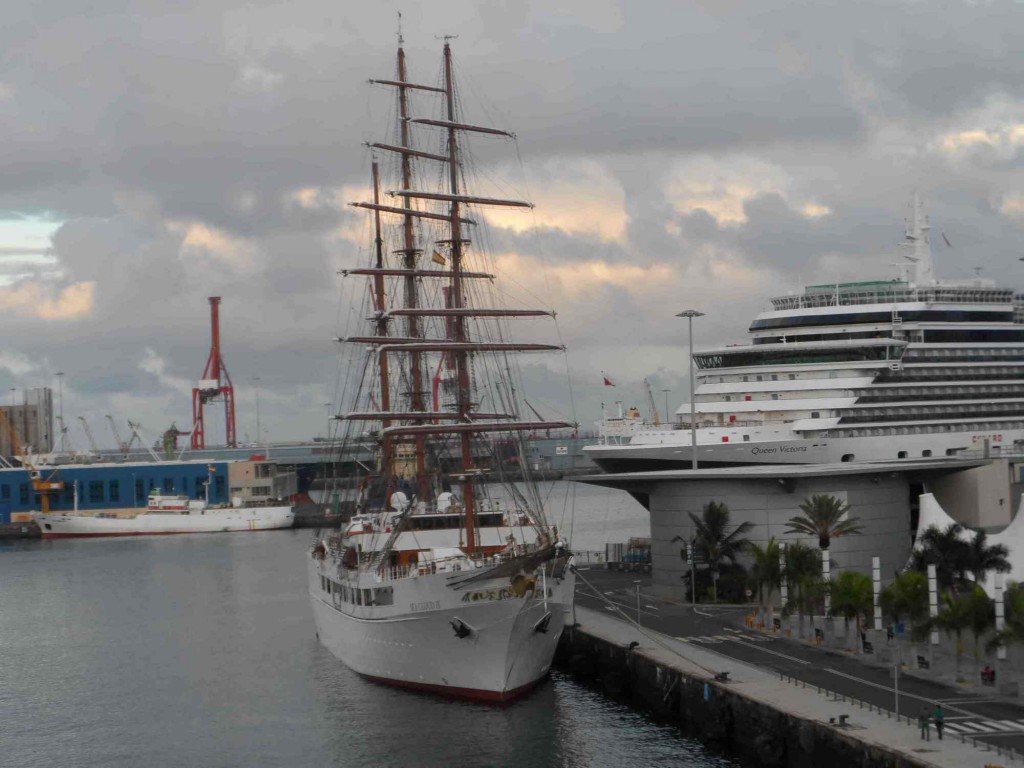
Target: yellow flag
437, 258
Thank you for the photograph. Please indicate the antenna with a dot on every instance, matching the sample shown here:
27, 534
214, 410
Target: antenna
400, 38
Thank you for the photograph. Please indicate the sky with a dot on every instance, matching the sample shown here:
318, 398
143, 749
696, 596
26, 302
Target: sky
705, 155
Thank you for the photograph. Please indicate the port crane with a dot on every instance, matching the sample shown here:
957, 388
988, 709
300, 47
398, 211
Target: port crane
88, 436
122, 446
650, 403
213, 386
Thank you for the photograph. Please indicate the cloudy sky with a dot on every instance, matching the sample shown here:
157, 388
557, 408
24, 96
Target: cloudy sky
702, 154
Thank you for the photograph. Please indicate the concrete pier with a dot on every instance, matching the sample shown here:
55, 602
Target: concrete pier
757, 714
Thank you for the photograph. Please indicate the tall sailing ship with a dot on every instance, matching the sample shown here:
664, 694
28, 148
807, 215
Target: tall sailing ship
449, 576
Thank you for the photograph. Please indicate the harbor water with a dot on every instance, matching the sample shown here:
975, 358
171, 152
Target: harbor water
200, 651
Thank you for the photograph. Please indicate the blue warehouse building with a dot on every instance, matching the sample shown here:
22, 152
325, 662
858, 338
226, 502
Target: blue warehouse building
112, 486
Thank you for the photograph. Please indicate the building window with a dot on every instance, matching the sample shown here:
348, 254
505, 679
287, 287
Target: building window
95, 491
140, 491
115, 490
218, 486
5, 491
168, 485
23, 493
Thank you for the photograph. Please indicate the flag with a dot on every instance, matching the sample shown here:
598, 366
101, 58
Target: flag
437, 258
607, 381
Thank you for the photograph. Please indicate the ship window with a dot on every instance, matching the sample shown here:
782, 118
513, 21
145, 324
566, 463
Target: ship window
728, 399
115, 490
815, 414
746, 438
951, 451
926, 453
384, 596
901, 455
775, 377
760, 377
792, 377
746, 378
848, 457
746, 397
95, 491
775, 395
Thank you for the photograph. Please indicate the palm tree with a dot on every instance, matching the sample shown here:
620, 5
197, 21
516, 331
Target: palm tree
906, 598
955, 615
714, 541
980, 558
852, 596
1013, 629
823, 517
803, 575
766, 574
983, 616
943, 548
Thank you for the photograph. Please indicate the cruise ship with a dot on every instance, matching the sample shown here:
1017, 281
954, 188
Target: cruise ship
891, 369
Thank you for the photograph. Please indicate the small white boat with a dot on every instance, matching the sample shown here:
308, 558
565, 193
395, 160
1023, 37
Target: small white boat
166, 514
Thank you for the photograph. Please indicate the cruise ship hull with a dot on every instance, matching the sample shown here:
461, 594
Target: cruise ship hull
678, 455
68, 526
507, 649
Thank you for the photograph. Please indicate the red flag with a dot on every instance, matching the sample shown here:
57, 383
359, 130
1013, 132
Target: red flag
607, 381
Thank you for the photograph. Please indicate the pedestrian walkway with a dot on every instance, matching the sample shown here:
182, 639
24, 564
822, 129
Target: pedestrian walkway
736, 637
979, 727
871, 727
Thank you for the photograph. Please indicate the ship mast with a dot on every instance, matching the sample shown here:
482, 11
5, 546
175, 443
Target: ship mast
458, 324
410, 254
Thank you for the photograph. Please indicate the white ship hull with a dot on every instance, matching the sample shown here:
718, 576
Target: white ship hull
675, 451
413, 643
61, 526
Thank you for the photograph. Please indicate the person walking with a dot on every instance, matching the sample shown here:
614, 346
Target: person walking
924, 721
940, 720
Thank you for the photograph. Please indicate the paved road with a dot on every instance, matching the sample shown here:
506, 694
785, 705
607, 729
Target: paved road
968, 713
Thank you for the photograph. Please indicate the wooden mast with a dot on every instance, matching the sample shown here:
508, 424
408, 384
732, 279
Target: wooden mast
382, 331
458, 322
410, 254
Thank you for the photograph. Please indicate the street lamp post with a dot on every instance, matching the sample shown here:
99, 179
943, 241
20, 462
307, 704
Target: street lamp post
668, 419
689, 314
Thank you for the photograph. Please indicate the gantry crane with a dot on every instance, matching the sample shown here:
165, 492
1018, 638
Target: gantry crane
214, 385
89, 437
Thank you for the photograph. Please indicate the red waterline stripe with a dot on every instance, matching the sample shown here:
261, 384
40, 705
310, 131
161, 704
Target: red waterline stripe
472, 694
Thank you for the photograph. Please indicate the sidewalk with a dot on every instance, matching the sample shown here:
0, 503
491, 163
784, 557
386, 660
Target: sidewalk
944, 674
870, 728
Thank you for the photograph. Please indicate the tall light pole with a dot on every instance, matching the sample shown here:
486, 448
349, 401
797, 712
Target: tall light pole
328, 407
259, 435
668, 419
689, 314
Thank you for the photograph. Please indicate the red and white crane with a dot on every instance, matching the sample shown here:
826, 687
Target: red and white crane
215, 385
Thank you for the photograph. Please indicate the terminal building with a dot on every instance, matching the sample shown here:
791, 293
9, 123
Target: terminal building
883, 496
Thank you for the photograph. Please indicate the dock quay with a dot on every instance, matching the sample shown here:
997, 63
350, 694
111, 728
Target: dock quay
760, 714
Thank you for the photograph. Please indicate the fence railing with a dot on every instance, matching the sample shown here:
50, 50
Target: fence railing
912, 721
